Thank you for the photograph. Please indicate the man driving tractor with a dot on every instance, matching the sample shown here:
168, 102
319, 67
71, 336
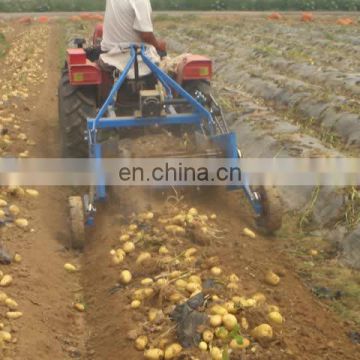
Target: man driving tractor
128, 22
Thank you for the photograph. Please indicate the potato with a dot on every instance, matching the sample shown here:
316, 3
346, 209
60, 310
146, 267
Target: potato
236, 346
79, 307
2, 214
208, 336
143, 257
271, 278
176, 297
161, 282
17, 258
190, 252
117, 260
3, 297
234, 278
135, 304
230, 307
215, 320
172, 351
124, 238
70, 268
216, 353
179, 219
11, 304
147, 216
244, 323
192, 287
249, 233
148, 292
5, 336
175, 274
276, 318
133, 227
21, 223
3, 203
181, 284
141, 343
313, 252
175, 230
260, 298
218, 310
13, 315
14, 210
229, 321
213, 216
32, 193
221, 333
6, 280
193, 212
203, 346
129, 247
216, 271
163, 250
154, 354
262, 332
195, 279
138, 295
147, 281
120, 253
232, 286
125, 277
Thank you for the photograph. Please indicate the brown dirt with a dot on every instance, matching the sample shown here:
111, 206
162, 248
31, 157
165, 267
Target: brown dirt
52, 329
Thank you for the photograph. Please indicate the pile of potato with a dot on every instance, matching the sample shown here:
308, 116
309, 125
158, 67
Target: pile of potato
160, 268
24, 64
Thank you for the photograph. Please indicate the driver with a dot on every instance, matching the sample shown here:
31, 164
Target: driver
127, 22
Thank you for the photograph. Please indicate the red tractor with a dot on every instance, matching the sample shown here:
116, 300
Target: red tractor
84, 87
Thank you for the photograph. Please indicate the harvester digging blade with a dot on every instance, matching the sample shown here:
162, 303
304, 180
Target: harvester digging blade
270, 220
77, 222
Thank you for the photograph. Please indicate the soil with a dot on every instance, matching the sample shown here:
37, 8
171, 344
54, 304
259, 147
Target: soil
52, 329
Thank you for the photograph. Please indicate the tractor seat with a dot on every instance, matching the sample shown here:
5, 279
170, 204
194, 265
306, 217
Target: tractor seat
119, 57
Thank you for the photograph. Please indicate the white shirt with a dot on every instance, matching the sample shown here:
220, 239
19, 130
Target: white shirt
123, 20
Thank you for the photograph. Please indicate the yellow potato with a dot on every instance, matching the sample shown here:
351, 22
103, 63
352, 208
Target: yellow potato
218, 310
192, 287
133, 227
216, 353
272, 308
125, 277
181, 284
208, 336
203, 346
235, 346
153, 354
3, 297
262, 332
124, 238
195, 279
249, 233
21, 223
244, 323
6, 280
11, 304
135, 304
13, 315
233, 286
79, 307
17, 258
234, 278
5, 336
271, 278
32, 193
141, 343
190, 252
163, 250
148, 292
172, 351
129, 247
221, 333
14, 210
147, 281
3, 203
70, 267
229, 321
143, 257
216, 271
193, 212
276, 318
260, 298
175, 230
161, 282
215, 320
117, 260
230, 307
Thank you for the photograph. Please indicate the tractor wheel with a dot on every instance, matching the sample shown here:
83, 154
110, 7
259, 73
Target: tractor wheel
76, 104
271, 219
77, 222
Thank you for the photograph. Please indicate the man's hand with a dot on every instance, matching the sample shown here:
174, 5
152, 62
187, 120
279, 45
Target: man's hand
149, 38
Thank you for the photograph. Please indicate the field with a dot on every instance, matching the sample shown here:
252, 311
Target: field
288, 88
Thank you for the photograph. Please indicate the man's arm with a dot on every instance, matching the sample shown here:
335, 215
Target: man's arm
149, 38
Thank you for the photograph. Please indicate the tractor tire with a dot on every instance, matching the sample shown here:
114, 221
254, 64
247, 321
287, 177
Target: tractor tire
77, 222
76, 104
270, 220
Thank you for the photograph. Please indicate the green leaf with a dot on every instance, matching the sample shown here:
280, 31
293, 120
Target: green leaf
225, 354
239, 339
